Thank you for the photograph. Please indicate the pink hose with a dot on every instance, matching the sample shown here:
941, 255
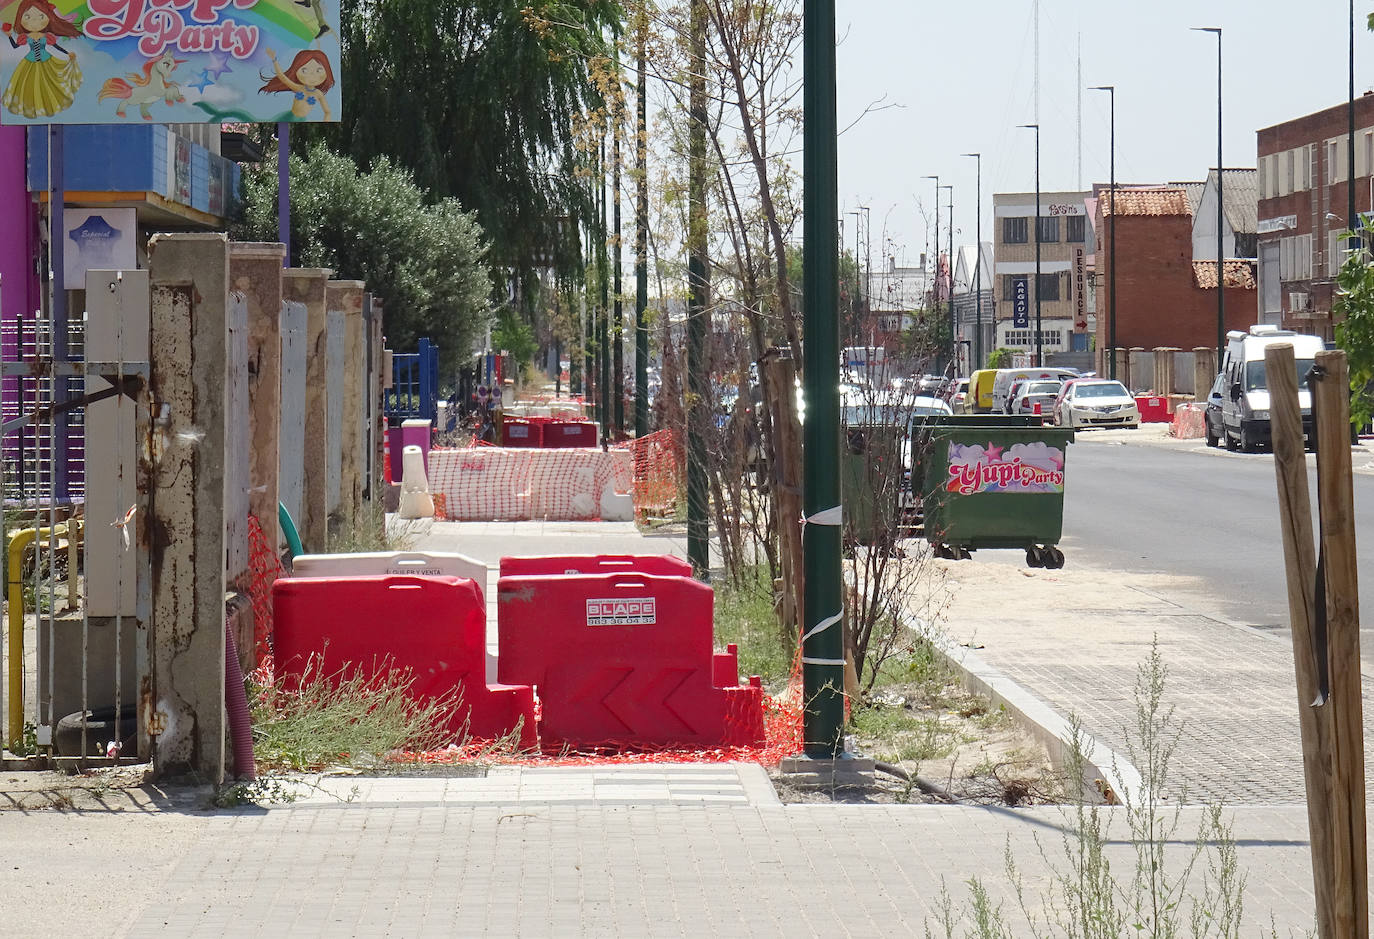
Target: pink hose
236, 703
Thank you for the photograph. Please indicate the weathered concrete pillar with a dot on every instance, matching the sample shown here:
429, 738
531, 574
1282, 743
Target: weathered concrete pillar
1164, 370
190, 349
1204, 371
307, 286
334, 386
255, 271
346, 296
238, 464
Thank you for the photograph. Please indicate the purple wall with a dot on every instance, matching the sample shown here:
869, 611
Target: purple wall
18, 289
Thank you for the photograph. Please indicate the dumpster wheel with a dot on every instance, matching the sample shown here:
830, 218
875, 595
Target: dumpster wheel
1048, 557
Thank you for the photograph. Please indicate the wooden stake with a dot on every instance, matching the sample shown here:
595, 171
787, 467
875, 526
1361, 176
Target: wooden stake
1331, 406
1300, 563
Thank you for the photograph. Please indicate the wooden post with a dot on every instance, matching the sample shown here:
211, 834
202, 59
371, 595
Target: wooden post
1300, 563
189, 340
307, 286
238, 471
787, 477
294, 365
1331, 408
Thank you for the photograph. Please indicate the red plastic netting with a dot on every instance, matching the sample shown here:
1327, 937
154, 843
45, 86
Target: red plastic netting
264, 567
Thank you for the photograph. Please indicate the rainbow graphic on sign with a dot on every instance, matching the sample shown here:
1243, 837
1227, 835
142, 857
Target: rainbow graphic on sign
168, 61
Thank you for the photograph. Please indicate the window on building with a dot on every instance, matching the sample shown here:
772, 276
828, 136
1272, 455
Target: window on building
1291, 159
1076, 228
1263, 177
1049, 286
1333, 162
1015, 231
1049, 230
1025, 338
1368, 142
1295, 257
1337, 250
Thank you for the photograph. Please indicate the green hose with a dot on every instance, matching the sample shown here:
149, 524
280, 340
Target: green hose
288, 528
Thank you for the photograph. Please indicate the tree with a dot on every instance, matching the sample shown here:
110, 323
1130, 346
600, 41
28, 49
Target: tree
424, 259
1355, 333
483, 101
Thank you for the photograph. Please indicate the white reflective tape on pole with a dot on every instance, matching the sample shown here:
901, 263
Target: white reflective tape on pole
822, 626
831, 516
835, 662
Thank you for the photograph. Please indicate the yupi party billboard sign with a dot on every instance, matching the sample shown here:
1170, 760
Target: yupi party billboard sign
169, 61
1022, 467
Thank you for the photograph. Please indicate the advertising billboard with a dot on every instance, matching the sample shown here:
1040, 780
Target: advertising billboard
169, 61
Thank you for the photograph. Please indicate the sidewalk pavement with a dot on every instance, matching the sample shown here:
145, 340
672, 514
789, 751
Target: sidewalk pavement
691, 850
639, 857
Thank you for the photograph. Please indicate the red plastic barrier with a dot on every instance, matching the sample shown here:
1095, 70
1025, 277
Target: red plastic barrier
1153, 410
663, 565
559, 434
623, 660
434, 626
521, 432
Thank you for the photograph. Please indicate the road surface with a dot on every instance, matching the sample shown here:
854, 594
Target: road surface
1184, 509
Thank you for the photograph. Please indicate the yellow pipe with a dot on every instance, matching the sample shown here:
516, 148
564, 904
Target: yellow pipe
18, 544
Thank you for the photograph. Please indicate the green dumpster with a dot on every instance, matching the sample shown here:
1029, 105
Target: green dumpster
872, 483
993, 484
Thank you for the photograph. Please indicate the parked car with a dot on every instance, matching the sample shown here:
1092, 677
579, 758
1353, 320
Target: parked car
1097, 403
1007, 377
1245, 402
958, 400
1211, 415
1036, 397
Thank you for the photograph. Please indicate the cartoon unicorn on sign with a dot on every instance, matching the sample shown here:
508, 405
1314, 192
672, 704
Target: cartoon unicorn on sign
144, 89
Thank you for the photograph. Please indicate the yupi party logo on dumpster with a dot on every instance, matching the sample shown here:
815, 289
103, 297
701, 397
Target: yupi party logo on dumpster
1022, 467
622, 611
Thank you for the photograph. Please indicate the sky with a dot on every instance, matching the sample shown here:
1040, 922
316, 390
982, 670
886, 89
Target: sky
944, 79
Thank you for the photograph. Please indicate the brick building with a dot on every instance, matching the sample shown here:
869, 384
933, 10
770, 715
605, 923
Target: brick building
1304, 179
1065, 243
1163, 296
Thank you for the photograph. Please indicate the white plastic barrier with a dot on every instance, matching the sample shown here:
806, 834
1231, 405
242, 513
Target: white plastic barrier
381, 563
1189, 422
493, 483
415, 498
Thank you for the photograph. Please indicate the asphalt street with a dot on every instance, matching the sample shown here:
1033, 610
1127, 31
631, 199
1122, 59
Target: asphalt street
1193, 511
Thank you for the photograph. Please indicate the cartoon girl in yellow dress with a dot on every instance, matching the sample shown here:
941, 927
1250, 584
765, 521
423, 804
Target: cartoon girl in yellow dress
308, 77
42, 85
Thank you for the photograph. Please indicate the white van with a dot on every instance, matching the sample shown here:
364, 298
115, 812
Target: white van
1006, 377
1245, 396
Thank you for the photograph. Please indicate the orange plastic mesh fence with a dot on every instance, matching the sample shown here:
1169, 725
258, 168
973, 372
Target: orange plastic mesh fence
264, 567
488, 483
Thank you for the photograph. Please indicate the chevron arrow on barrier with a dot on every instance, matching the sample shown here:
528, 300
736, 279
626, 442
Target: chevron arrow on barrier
638, 698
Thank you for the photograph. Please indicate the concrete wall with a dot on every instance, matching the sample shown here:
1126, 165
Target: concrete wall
307, 286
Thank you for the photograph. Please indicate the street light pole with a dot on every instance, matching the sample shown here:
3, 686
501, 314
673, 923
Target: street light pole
1111, 249
978, 268
935, 242
822, 652
1351, 219
949, 255
1221, 263
1039, 336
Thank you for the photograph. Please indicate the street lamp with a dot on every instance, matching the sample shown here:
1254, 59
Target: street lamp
978, 268
1039, 337
1221, 278
1111, 249
949, 258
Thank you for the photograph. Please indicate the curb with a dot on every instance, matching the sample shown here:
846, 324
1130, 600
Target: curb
1112, 774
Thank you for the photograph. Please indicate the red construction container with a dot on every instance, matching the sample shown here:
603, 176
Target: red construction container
521, 432
1153, 409
623, 660
562, 434
664, 565
433, 626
